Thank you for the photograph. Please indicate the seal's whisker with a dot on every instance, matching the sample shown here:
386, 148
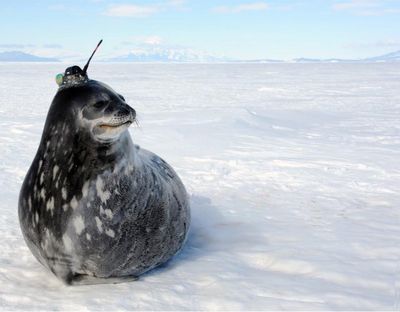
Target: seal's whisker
136, 123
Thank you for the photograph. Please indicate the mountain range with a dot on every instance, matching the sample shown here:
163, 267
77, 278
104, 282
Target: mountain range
385, 58
183, 55
19, 56
390, 57
166, 55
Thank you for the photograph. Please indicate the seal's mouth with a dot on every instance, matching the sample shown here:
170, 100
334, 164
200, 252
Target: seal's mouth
109, 126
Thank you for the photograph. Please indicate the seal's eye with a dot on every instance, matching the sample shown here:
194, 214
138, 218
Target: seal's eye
100, 104
122, 98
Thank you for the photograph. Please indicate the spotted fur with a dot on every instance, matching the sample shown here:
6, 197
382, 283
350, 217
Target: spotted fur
93, 204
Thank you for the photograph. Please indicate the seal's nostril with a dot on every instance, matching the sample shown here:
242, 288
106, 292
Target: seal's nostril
122, 112
125, 110
131, 111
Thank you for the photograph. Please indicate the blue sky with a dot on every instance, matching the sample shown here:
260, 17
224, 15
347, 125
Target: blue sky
238, 29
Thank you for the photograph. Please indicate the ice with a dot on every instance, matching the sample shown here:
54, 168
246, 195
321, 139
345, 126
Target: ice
293, 172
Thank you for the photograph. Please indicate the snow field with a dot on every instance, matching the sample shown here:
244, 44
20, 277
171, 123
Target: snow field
293, 172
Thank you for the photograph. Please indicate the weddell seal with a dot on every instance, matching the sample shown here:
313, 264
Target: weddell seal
94, 207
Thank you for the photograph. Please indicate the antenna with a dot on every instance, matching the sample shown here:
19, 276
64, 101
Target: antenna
90, 58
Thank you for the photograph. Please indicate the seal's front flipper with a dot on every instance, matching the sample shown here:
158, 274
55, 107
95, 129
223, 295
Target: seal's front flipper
81, 279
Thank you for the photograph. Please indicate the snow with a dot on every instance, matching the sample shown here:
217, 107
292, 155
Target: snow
293, 172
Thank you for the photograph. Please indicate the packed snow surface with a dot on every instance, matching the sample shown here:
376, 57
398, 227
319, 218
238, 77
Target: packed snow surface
293, 172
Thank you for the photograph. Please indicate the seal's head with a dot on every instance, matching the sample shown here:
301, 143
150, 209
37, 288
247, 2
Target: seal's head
94, 108
98, 111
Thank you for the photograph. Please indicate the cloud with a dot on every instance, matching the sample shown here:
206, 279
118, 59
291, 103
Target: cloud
50, 50
132, 10
153, 40
21, 46
356, 4
366, 7
135, 10
176, 2
56, 52
15, 46
254, 6
52, 46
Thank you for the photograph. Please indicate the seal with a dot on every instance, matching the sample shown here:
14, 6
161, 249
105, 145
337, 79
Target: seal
94, 207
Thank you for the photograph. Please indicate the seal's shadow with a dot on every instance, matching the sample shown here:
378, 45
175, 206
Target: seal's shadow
201, 238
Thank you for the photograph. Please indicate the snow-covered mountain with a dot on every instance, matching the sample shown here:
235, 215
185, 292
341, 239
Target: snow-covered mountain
389, 57
259, 61
19, 56
162, 54
331, 60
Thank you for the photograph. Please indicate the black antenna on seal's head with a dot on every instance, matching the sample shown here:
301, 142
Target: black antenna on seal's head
90, 58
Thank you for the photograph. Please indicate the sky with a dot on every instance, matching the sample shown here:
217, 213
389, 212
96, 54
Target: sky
236, 29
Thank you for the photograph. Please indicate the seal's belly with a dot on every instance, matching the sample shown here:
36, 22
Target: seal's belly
128, 223
121, 221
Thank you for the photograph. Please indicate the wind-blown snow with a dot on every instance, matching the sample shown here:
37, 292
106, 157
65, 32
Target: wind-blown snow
294, 176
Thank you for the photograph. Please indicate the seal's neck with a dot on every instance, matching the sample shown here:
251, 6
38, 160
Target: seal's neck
66, 145
113, 152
